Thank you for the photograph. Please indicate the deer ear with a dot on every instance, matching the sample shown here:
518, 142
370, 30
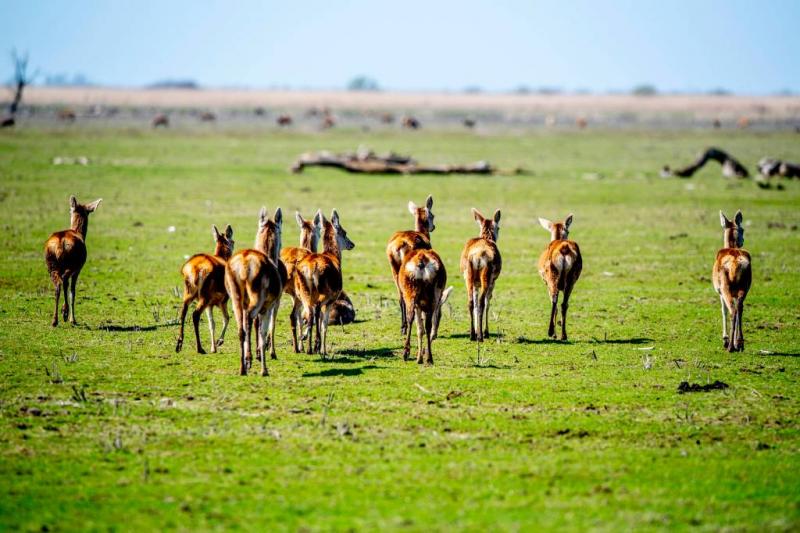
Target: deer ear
299, 218
568, 221
546, 224
73, 202
446, 295
412, 207
278, 218
723, 220
229, 231
262, 216
319, 218
335, 218
429, 202
738, 217
497, 217
214, 231
477, 216
94, 205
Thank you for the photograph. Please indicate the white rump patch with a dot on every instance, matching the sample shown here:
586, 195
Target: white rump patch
426, 272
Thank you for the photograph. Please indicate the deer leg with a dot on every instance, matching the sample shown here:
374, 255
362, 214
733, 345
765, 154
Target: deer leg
407, 345
324, 319
225, 320
186, 301
551, 329
420, 334
564, 307
72, 286
262, 325
739, 332
308, 316
403, 310
317, 328
479, 309
428, 324
293, 322
248, 331
65, 307
471, 310
734, 327
486, 312
211, 327
196, 322
273, 319
725, 338
57, 283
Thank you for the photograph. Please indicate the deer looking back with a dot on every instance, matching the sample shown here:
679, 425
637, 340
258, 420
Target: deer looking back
560, 267
65, 255
731, 276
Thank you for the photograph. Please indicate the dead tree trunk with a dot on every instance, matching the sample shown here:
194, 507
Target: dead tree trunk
730, 166
21, 80
369, 163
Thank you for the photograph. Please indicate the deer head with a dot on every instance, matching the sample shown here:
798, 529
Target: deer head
223, 241
733, 232
79, 214
559, 231
423, 216
489, 227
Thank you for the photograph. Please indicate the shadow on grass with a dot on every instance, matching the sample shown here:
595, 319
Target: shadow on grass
366, 354
525, 340
134, 327
466, 336
632, 340
331, 372
782, 354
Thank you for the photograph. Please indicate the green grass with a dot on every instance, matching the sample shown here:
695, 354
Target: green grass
103, 426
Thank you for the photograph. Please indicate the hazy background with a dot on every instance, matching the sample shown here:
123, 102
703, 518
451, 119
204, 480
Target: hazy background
745, 47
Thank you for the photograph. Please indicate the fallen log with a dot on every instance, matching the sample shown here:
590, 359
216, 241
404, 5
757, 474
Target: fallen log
775, 167
367, 162
730, 166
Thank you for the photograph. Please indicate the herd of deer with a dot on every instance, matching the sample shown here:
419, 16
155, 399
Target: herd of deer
255, 278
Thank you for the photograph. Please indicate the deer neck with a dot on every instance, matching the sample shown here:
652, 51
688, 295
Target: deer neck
80, 224
421, 226
329, 243
729, 239
222, 251
307, 240
268, 242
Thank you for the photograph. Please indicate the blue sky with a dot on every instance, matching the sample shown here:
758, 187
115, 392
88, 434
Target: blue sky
748, 47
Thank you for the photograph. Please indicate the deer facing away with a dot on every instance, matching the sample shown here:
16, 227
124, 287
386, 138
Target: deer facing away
204, 281
731, 276
65, 255
309, 236
481, 264
560, 267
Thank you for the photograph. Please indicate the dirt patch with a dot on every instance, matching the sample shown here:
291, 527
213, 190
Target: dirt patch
685, 387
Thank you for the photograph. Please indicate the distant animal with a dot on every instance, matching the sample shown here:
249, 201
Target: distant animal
403, 242
470, 123
328, 121
716, 124
480, 265
343, 311
254, 279
208, 116
7, 122
422, 281
66, 115
411, 123
160, 120
387, 118
65, 255
560, 267
318, 281
260, 111
743, 123
204, 281
731, 276
581, 122
309, 236
284, 120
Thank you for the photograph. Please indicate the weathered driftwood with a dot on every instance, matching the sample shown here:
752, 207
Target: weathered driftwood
730, 166
775, 167
367, 162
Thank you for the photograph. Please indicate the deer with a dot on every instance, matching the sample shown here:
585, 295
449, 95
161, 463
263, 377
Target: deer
480, 265
318, 280
65, 255
560, 267
403, 242
309, 236
204, 281
422, 282
254, 279
731, 277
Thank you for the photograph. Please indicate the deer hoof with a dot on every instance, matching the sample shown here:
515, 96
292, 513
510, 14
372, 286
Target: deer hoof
178, 345
725, 341
264, 372
200, 350
219, 342
54, 323
273, 356
65, 313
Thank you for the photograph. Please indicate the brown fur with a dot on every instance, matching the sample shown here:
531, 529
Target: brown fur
481, 264
732, 276
254, 279
422, 281
403, 242
560, 266
290, 257
342, 311
65, 254
318, 281
204, 281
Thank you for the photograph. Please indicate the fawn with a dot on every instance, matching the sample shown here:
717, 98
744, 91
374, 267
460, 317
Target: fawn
560, 267
402, 242
422, 281
318, 280
309, 236
481, 264
65, 255
204, 281
254, 278
732, 276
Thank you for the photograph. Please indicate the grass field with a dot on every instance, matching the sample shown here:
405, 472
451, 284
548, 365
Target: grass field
103, 426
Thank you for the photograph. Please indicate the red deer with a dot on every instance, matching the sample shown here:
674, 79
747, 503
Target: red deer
208, 116
254, 279
422, 285
318, 281
309, 235
731, 277
284, 120
560, 267
65, 255
470, 122
328, 121
411, 123
342, 311
481, 265
204, 281
66, 115
160, 120
402, 242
